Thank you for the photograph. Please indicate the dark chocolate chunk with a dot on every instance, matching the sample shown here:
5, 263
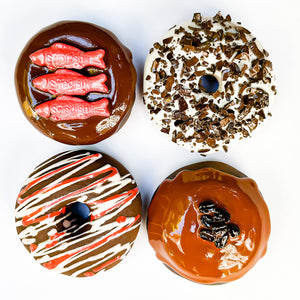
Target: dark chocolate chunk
211, 142
165, 130
207, 220
244, 112
182, 104
168, 40
242, 56
255, 50
203, 151
162, 74
197, 18
218, 17
191, 62
207, 206
221, 215
219, 228
186, 41
157, 110
155, 65
262, 115
233, 230
169, 83
221, 241
225, 121
235, 68
207, 235
188, 48
178, 122
228, 18
156, 45
170, 56
253, 124
206, 25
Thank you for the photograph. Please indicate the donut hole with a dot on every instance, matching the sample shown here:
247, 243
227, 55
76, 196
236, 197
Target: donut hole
76, 219
80, 210
209, 83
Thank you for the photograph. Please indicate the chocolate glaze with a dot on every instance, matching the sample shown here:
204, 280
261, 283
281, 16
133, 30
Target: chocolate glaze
165, 208
119, 70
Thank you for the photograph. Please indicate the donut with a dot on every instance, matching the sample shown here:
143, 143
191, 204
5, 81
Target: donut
75, 82
206, 82
208, 223
78, 213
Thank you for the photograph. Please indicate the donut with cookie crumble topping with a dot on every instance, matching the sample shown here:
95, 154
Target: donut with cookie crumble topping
208, 81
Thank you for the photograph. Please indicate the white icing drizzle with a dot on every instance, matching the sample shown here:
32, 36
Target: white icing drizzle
28, 241
231, 258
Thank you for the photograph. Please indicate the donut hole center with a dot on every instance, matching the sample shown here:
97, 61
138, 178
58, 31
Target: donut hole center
209, 83
75, 219
80, 211
78, 214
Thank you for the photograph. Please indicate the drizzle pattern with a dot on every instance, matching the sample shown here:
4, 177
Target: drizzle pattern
43, 210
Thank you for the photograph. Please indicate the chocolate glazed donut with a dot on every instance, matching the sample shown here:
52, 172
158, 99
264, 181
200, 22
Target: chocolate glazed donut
120, 82
57, 234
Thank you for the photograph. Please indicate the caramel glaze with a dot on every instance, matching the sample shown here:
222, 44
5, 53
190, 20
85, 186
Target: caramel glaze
174, 223
119, 70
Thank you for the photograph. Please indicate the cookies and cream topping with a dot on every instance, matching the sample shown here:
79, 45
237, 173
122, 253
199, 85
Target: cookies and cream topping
207, 82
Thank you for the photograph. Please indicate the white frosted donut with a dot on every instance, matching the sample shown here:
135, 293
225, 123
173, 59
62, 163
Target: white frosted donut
232, 62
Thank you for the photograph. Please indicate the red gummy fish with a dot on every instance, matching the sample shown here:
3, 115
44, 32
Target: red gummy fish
66, 82
60, 55
65, 108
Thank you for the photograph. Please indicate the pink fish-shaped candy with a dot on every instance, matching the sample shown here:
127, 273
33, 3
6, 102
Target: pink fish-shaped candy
65, 108
60, 55
66, 82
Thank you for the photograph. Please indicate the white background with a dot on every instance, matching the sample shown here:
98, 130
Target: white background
270, 157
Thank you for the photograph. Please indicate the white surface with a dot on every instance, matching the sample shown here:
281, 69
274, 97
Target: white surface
270, 156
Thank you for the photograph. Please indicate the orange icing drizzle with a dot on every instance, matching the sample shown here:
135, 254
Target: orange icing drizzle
174, 225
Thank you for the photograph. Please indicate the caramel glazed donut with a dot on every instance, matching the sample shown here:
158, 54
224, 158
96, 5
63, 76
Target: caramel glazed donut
63, 241
224, 54
209, 223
